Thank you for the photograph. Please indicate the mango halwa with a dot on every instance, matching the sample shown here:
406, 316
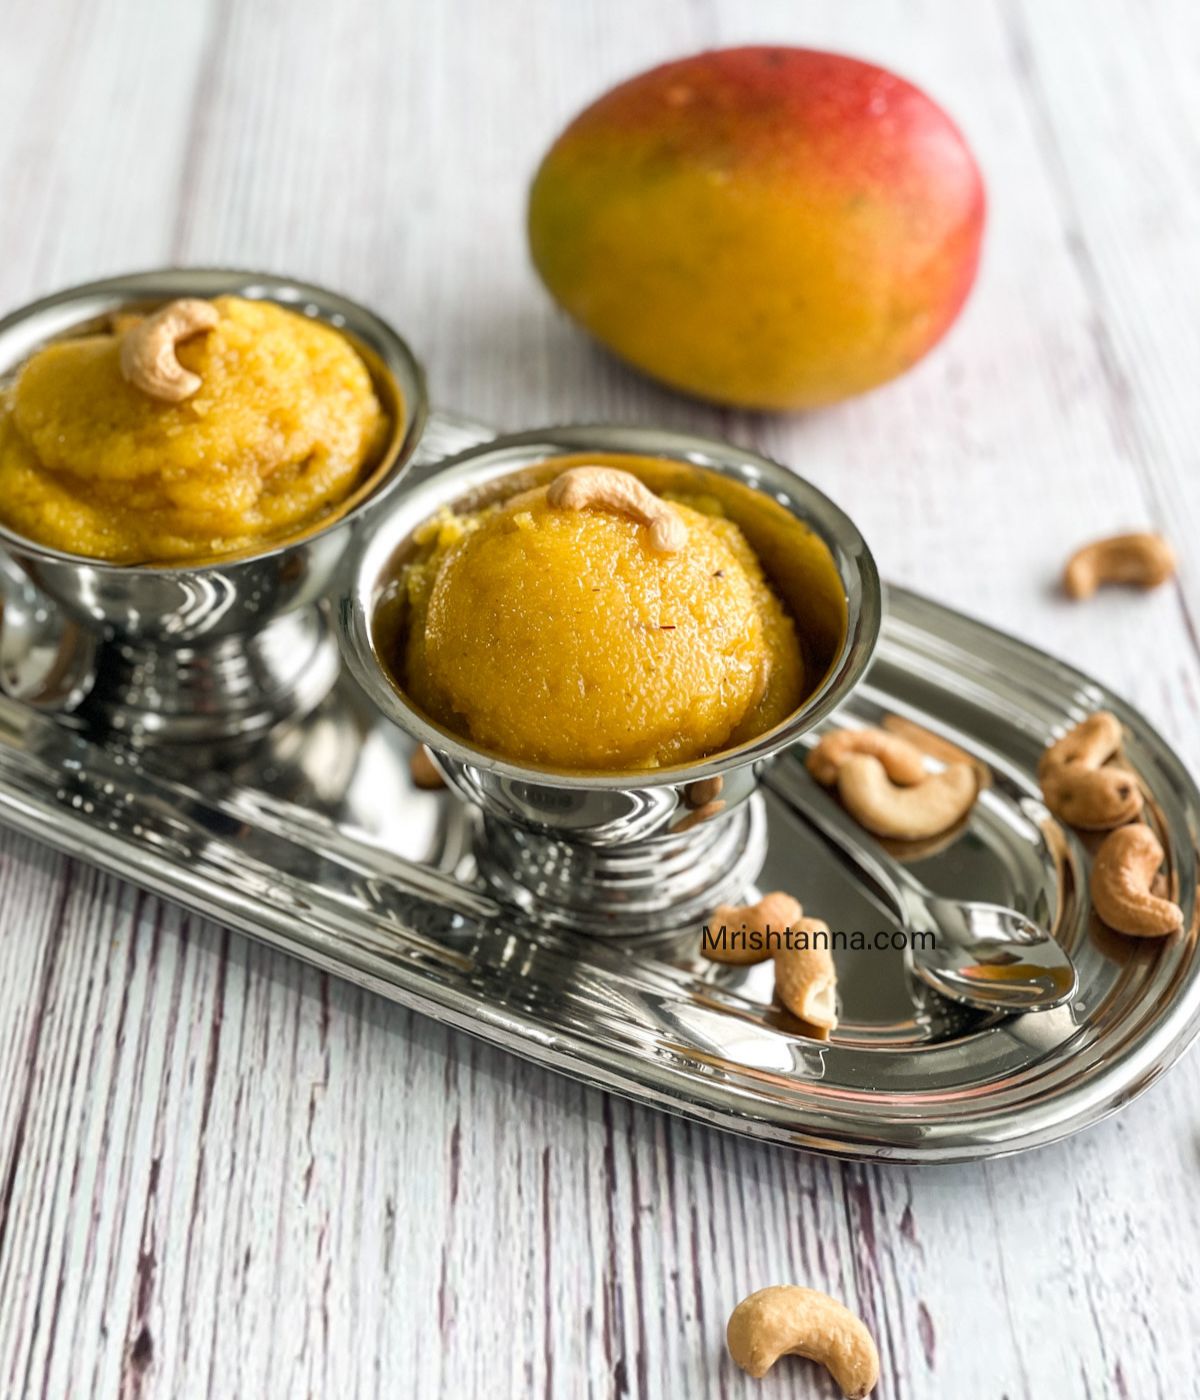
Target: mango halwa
279, 433
561, 637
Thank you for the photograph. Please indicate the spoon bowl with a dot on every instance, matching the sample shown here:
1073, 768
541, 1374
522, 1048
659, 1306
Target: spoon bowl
992, 957
984, 955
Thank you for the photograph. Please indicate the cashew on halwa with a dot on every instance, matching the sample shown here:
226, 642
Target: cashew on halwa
147, 356
609, 488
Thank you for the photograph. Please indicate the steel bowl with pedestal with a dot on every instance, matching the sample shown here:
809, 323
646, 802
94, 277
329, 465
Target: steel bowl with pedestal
185, 653
654, 850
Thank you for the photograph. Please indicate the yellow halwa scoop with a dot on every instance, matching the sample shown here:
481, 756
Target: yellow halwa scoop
278, 421
568, 635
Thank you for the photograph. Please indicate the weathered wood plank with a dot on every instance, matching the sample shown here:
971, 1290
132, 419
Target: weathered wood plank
223, 1174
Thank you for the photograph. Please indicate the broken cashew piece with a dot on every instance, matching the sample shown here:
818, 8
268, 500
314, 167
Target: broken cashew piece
907, 813
148, 360
1122, 872
776, 911
612, 489
1143, 559
1088, 744
904, 762
791, 1321
806, 979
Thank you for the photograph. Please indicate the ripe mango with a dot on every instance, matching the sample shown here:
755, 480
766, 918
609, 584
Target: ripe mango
767, 227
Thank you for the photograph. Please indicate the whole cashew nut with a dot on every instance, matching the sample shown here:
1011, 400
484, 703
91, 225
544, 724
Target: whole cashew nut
907, 813
806, 979
904, 762
612, 489
1122, 872
936, 746
1143, 559
777, 911
1076, 785
147, 357
791, 1321
1092, 799
1088, 744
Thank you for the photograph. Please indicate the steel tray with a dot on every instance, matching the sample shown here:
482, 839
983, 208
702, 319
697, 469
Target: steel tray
314, 841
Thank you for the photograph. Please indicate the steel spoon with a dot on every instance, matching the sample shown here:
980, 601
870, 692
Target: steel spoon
985, 955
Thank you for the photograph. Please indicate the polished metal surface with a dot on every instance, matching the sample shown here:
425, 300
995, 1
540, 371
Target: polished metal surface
46, 661
313, 839
985, 955
601, 852
195, 652
646, 888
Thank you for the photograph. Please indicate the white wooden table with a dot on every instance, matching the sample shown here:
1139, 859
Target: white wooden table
224, 1175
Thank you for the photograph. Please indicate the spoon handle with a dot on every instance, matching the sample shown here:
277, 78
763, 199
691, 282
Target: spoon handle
788, 779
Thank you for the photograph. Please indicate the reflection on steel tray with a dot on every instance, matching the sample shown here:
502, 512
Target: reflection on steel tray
314, 840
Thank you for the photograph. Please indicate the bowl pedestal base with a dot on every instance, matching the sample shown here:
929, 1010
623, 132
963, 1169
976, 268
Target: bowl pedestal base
637, 889
235, 687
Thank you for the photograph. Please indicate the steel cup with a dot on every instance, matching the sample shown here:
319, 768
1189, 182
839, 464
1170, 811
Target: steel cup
639, 851
213, 650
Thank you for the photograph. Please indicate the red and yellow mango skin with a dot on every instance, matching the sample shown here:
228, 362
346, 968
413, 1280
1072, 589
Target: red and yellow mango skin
772, 228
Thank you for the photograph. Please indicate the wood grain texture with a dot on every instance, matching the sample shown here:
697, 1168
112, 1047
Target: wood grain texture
222, 1174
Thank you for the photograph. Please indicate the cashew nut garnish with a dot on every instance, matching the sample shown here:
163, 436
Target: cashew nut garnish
907, 813
1088, 744
1077, 786
936, 746
903, 761
148, 359
790, 1321
1144, 560
806, 979
424, 772
612, 489
1122, 871
777, 911
1092, 799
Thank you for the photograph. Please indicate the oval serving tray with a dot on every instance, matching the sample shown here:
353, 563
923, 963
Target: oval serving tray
338, 861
